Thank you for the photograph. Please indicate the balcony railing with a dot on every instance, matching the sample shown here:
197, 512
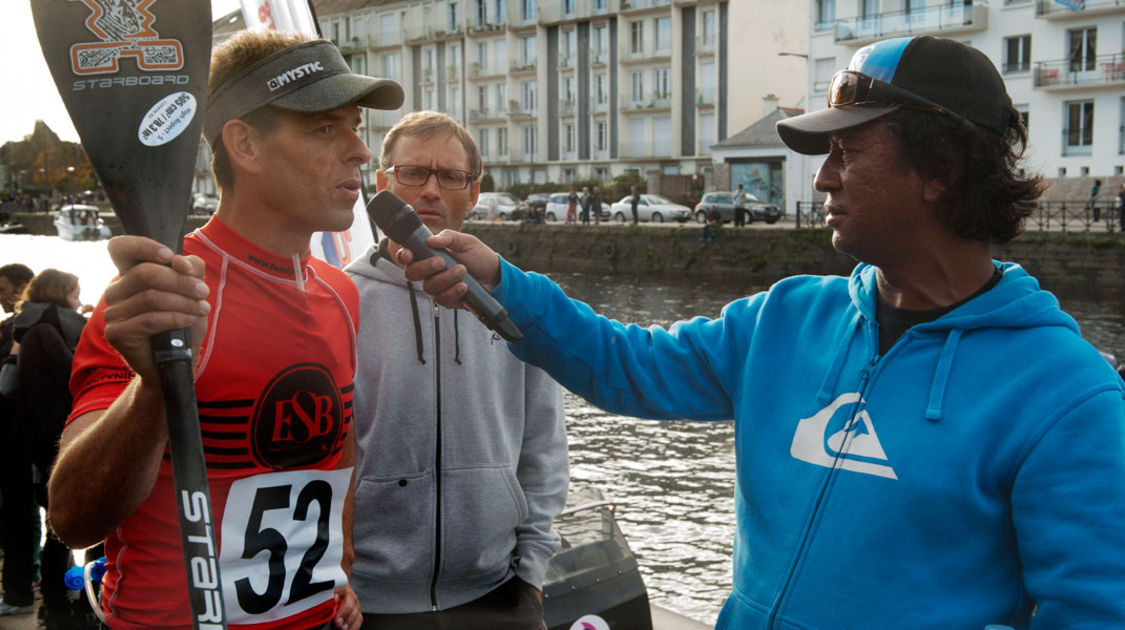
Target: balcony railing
1051, 8
566, 107
1087, 72
928, 20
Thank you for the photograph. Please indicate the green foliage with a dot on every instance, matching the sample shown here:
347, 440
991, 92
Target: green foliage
487, 184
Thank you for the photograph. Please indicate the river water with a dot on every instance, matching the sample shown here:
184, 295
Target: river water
673, 481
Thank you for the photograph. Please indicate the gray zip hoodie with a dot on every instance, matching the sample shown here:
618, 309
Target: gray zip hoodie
461, 456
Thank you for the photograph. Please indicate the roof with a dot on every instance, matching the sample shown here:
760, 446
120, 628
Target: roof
333, 7
763, 133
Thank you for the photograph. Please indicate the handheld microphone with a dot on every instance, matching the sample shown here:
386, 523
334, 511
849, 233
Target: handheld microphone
399, 221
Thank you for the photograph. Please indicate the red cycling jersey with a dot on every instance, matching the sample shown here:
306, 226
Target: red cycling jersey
274, 390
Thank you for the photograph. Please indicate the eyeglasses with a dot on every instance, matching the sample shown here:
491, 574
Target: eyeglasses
447, 178
849, 87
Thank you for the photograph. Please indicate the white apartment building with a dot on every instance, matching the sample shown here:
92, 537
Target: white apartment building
1064, 68
558, 90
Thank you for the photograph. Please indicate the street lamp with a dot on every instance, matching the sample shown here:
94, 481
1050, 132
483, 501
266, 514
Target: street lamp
792, 54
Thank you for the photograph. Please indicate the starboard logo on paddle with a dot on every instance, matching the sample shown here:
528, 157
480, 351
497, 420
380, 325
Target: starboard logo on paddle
124, 30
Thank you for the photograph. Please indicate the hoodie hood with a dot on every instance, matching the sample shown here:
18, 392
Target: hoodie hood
1016, 301
31, 314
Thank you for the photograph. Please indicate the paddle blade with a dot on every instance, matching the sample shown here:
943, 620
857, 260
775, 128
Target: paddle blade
133, 76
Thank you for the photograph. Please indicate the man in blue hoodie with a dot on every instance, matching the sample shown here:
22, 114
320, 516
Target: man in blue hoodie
927, 444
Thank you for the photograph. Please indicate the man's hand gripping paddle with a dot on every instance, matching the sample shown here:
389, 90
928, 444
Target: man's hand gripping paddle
133, 76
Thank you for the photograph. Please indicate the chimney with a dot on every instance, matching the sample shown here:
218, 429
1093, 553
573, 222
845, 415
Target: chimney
769, 104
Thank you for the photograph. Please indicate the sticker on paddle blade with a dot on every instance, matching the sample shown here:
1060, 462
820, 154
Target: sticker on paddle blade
167, 119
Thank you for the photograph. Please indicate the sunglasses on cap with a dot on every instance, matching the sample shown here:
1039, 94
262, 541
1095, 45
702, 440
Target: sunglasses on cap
849, 87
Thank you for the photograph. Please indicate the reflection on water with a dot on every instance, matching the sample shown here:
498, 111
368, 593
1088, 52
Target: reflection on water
673, 481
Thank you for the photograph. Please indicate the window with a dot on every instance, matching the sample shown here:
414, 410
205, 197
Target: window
1017, 53
708, 26
482, 98
600, 5
637, 37
568, 138
870, 8
1083, 49
480, 13
428, 99
428, 65
825, 14
482, 57
660, 83
601, 174
501, 96
530, 142
388, 66
602, 140
706, 133
601, 44
501, 48
454, 57
358, 63
663, 35
1121, 130
1025, 118
500, 11
455, 101
527, 10
527, 51
601, 94
528, 100
566, 43
388, 29
502, 141
662, 135
454, 22
637, 147
482, 140
1079, 128
568, 89
637, 86
568, 7
823, 70
706, 83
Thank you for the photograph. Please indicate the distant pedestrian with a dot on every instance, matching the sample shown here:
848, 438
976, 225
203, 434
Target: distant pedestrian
740, 207
711, 224
1092, 202
585, 201
596, 204
634, 201
572, 206
1121, 208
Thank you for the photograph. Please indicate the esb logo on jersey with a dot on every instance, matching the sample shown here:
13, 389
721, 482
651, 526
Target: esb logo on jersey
298, 419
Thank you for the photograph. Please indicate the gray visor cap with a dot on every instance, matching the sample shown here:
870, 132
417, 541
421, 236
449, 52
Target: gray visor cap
309, 77
809, 133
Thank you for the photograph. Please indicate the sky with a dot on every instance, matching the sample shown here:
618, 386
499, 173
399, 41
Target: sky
30, 93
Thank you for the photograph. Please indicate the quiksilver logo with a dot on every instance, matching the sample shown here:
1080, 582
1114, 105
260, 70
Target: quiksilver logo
836, 437
293, 74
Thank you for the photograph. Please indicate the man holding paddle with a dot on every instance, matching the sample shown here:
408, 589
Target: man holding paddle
274, 335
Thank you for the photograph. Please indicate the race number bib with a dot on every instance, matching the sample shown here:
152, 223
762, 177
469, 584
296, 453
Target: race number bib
282, 543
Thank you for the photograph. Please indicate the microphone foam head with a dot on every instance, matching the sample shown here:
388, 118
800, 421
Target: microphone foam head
393, 215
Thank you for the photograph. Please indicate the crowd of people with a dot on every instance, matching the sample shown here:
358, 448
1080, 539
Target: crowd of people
928, 443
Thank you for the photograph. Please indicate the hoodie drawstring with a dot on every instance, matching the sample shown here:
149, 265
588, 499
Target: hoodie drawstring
828, 386
941, 375
298, 273
417, 323
456, 338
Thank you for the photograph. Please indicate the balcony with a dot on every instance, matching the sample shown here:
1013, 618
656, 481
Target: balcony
384, 40
705, 46
943, 20
599, 57
1052, 10
642, 5
527, 68
1103, 71
479, 115
566, 63
566, 107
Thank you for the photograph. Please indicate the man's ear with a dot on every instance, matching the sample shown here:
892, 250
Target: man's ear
241, 145
380, 180
475, 187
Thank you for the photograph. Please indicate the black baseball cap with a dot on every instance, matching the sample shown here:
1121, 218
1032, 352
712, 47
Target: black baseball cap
307, 77
958, 79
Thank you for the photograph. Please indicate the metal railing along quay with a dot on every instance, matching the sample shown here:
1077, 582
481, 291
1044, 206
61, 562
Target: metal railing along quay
1058, 216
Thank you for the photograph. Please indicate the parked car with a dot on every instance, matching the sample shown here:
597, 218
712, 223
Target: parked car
496, 205
536, 201
204, 204
723, 201
556, 208
652, 207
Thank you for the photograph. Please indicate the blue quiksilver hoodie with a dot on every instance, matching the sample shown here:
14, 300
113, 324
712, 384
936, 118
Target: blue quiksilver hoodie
973, 472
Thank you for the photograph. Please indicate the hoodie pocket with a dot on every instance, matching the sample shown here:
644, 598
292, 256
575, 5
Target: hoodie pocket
482, 507
394, 534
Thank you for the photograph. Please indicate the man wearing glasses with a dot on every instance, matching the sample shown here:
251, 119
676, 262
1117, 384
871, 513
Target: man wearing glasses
461, 451
927, 444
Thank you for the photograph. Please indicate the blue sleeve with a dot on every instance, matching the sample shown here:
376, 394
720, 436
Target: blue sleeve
1068, 501
690, 370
